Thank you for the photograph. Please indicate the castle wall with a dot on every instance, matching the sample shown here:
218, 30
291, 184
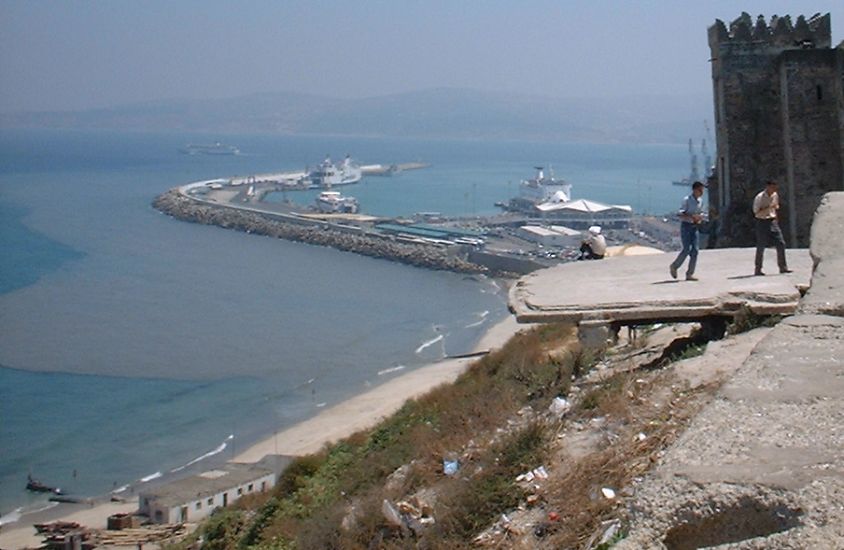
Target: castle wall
770, 124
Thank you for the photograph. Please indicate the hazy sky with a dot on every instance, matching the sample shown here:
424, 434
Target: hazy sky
70, 55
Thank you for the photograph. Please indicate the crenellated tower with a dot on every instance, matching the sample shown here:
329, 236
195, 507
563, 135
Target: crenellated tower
779, 114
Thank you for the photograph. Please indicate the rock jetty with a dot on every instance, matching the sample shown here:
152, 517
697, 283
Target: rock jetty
182, 207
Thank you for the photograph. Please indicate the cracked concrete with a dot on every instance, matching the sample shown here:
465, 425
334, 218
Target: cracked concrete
762, 466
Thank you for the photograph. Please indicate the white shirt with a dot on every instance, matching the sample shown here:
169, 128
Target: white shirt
765, 206
598, 244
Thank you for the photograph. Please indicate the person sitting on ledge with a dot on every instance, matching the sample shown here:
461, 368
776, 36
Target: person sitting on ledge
594, 246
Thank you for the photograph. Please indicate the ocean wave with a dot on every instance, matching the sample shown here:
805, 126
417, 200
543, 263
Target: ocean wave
483, 316
150, 477
429, 343
120, 489
11, 517
391, 369
217, 450
18, 513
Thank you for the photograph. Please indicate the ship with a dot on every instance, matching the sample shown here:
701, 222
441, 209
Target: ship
332, 202
542, 188
216, 148
328, 174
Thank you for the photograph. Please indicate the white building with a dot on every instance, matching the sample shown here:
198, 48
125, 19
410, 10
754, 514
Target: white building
584, 213
194, 498
550, 236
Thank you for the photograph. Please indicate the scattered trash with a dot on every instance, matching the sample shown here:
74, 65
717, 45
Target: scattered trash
559, 406
537, 473
641, 436
391, 514
611, 530
608, 493
553, 516
450, 466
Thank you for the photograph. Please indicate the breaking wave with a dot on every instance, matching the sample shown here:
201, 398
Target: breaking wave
217, 450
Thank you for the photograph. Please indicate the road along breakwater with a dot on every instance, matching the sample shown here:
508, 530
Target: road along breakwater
182, 207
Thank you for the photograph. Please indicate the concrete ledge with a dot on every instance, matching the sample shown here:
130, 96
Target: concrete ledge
772, 438
640, 289
828, 228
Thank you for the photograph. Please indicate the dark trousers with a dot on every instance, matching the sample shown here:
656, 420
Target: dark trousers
586, 253
768, 233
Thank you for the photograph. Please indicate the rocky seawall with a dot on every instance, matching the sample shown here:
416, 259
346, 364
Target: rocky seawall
181, 207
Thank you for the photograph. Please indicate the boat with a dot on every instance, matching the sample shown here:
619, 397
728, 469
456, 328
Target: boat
332, 202
215, 148
541, 188
36, 486
328, 174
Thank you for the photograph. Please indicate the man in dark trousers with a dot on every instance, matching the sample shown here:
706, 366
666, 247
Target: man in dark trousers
765, 207
691, 215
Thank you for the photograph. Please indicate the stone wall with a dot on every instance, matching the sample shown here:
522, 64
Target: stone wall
779, 114
185, 208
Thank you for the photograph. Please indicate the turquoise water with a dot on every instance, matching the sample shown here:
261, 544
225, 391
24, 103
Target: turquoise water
133, 344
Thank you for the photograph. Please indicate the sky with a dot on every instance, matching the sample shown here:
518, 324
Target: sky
69, 55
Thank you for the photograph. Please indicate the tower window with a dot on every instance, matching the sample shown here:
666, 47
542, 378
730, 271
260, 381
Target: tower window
819, 91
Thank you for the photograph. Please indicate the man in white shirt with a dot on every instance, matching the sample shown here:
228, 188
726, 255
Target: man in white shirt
594, 246
765, 207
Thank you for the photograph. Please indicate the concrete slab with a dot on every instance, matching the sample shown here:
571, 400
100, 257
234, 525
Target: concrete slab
771, 440
640, 289
828, 228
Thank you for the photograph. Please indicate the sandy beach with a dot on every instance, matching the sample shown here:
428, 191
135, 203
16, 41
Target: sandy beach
332, 424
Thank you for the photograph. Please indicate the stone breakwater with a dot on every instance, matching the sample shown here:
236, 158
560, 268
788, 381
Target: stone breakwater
181, 207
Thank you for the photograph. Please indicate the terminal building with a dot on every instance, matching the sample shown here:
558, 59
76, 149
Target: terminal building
583, 213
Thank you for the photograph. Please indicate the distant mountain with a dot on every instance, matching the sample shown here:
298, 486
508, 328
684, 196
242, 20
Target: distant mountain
442, 112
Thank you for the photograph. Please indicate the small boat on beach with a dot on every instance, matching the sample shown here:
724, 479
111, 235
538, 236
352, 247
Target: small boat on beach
36, 486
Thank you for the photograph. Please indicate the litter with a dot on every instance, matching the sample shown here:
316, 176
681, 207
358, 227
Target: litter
608, 493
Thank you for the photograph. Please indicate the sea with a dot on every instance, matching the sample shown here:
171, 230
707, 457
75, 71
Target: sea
134, 346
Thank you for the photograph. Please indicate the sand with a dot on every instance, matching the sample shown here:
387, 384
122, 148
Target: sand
355, 414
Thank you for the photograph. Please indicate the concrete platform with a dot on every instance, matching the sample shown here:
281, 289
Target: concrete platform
639, 289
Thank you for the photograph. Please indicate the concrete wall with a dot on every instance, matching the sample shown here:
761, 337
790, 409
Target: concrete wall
779, 113
203, 504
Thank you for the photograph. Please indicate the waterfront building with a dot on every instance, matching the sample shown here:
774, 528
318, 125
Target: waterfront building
193, 498
583, 213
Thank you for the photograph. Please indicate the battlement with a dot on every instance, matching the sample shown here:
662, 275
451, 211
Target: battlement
814, 32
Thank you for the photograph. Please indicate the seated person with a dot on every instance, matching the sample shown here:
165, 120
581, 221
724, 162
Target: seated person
594, 246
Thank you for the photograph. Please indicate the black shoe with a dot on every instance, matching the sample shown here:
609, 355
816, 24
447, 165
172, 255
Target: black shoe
786, 270
673, 271
759, 273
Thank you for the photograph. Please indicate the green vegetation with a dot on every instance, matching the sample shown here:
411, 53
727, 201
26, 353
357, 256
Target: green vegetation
333, 499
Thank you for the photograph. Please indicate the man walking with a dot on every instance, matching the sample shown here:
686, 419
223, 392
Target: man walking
690, 214
765, 207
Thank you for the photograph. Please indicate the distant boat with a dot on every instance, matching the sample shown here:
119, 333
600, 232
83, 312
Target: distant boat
36, 486
215, 148
328, 174
332, 202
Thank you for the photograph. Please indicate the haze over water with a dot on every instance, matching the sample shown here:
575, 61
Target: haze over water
132, 343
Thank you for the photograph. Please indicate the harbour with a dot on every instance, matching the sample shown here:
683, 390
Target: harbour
123, 269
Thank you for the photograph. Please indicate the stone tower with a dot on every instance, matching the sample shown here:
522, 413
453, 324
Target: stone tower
779, 114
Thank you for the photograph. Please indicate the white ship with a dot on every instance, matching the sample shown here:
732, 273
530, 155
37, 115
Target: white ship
328, 174
542, 188
332, 202
215, 148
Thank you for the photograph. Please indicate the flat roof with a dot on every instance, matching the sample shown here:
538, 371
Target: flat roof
199, 487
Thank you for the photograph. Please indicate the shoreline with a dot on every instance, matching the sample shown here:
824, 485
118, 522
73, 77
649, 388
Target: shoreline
357, 413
